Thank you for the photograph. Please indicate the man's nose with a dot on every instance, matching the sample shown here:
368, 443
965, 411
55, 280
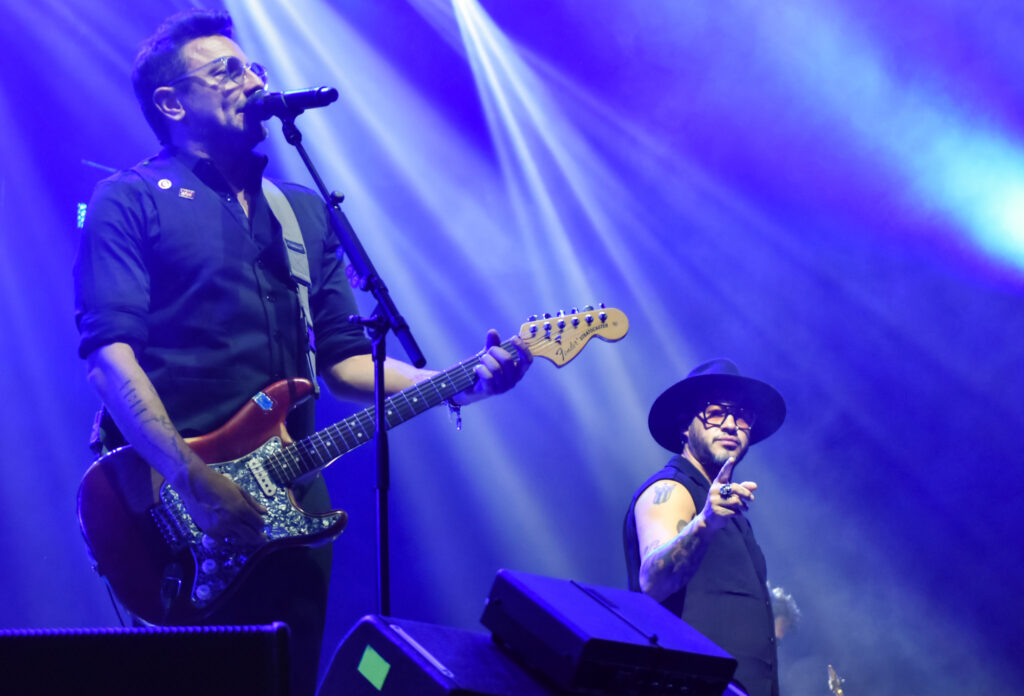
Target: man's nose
253, 81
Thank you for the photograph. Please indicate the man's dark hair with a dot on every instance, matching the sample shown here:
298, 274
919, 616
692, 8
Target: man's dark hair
159, 60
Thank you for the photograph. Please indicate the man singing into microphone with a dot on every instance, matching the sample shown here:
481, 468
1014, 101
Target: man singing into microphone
187, 307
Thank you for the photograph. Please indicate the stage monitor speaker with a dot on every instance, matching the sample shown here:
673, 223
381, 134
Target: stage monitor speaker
383, 656
193, 660
601, 640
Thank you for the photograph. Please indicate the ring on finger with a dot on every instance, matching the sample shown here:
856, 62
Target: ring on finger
725, 491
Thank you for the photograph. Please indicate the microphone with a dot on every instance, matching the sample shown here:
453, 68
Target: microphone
264, 104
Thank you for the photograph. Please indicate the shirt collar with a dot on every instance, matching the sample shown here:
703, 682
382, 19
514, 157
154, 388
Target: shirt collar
203, 168
686, 467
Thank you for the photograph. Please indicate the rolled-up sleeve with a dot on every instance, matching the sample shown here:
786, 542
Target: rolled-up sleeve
110, 277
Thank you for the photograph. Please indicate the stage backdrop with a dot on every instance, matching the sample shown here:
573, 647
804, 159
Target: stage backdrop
830, 193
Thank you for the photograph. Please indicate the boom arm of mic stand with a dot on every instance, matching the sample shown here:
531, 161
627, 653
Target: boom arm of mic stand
370, 280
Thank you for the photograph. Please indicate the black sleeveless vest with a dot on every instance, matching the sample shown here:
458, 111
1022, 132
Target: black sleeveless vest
727, 600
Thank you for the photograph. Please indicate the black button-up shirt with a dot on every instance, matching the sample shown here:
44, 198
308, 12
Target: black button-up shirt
170, 264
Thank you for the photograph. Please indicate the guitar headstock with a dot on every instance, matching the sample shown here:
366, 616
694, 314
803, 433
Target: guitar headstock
561, 337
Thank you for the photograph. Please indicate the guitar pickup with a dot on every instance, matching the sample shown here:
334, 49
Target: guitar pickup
262, 477
172, 528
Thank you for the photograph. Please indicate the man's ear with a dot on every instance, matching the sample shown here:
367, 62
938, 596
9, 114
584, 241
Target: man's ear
684, 430
167, 101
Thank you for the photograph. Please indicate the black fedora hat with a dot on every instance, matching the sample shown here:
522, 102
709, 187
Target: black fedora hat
717, 379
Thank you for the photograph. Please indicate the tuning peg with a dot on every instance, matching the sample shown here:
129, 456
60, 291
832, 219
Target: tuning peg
601, 305
559, 313
603, 316
588, 308
561, 323
547, 315
589, 319
532, 317
574, 311
575, 320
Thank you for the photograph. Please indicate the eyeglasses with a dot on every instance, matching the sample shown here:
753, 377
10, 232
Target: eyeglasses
714, 414
230, 68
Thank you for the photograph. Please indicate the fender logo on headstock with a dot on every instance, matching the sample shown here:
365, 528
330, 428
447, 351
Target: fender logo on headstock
560, 338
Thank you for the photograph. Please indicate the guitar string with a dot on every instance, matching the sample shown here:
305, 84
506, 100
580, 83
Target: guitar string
302, 456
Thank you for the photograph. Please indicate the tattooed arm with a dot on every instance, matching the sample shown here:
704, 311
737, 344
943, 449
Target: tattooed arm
217, 505
673, 538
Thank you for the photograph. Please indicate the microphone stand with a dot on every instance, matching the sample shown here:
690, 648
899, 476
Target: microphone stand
385, 318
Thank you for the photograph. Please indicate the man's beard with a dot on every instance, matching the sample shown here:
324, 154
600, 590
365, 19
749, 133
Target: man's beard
711, 461
247, 138
233, 140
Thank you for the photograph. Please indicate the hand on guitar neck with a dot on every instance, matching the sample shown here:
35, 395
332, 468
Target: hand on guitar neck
498, 370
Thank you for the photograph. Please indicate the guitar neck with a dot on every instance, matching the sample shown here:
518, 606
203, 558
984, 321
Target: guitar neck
558, 339
316, 451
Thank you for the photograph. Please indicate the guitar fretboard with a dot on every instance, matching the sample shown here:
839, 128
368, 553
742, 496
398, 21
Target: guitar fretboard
322, 447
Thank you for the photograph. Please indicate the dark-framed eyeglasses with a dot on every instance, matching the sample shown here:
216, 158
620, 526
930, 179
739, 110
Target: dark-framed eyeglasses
715, 413
229, 68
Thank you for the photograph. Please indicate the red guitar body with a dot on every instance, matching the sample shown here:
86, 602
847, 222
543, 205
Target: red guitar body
151, 553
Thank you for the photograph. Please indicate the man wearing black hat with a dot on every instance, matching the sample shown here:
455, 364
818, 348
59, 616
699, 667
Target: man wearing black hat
687, 542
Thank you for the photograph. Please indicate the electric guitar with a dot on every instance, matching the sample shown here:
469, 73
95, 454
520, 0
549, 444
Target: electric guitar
166, 571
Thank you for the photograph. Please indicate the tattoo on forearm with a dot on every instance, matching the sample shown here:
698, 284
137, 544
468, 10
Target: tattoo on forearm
132, 399
141, 412
650, 547
662, 492
673, 566
683, 552
680, 559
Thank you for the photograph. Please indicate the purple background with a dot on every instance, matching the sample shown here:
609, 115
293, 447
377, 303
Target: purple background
831, 194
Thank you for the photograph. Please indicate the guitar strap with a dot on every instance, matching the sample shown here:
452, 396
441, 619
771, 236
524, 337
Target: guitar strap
298, 264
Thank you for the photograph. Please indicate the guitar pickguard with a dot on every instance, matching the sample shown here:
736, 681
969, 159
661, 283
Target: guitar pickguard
218, 561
